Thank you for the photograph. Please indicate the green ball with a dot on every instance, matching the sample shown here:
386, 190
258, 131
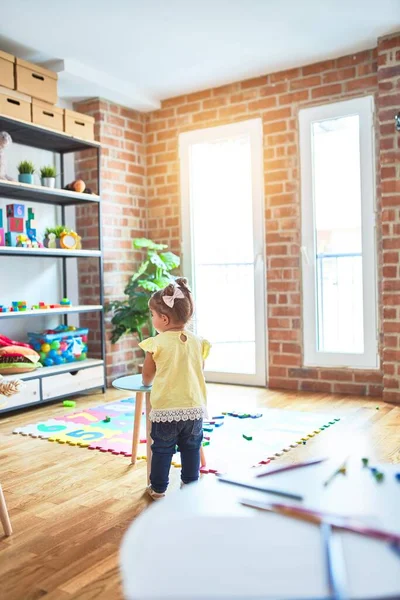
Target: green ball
55, 345
83, 356
42, 355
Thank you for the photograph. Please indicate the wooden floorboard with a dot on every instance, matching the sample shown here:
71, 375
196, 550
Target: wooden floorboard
70, 507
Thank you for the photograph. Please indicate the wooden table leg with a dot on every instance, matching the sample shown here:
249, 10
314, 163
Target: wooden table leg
148, 438
5, 519
136, 425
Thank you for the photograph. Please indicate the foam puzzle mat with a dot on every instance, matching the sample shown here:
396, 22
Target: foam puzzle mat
230, 438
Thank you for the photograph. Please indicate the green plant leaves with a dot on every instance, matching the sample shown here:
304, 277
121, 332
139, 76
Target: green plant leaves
139, 243
171, 261
148, 285
131, 314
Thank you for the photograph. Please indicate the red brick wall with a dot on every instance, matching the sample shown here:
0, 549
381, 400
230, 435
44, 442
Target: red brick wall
121, 132
389, 170
276, 98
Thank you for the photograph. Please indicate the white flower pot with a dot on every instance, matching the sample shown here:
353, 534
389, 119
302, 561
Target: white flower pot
49, 182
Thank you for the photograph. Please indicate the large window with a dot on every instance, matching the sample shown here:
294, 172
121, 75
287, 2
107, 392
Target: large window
222, 230
338, 234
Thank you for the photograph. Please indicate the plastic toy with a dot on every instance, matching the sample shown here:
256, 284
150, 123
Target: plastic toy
107, 419
18, 359
9, 388
61, 345
248, 437
69, 403
5, 140
65, 302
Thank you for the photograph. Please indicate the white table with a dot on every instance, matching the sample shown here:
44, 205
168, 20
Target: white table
200, 543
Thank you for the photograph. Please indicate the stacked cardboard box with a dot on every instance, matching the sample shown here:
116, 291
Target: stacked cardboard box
28, 92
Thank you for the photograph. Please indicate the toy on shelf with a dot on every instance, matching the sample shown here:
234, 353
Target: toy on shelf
61, 345
62, 237
21, 306
18, 359
78, 186
5, 140
2, 232
15, 236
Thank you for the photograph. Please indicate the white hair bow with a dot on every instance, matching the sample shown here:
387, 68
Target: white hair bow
170, 300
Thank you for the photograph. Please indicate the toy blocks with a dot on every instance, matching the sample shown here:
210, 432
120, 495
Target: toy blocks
15, 225
12, 238
2, 237
15, 211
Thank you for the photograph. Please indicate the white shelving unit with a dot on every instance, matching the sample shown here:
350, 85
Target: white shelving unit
49, 383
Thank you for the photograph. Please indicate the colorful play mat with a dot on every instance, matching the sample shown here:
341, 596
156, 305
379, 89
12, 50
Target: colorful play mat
230, 438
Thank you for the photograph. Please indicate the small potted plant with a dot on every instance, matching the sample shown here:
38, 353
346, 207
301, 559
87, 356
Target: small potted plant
26, 170
48, 176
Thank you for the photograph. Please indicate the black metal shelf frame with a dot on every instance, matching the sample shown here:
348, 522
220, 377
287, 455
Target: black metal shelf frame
32, 135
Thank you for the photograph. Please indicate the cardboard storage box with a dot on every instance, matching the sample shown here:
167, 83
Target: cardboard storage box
36, 81
7, 76
47, 116
15, 105
78, 125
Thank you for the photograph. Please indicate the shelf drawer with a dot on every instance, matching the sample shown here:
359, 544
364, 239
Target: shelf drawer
72, 382
30, 394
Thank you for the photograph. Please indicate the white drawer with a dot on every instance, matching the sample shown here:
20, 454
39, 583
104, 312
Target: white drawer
72, 382
28, 395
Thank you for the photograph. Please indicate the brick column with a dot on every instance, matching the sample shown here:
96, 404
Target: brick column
389, 172
121, 134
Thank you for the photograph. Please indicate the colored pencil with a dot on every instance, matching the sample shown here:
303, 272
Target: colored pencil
260, 488
335, 567
290, 467
339, 522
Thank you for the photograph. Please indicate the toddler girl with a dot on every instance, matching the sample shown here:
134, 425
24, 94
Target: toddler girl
175, 361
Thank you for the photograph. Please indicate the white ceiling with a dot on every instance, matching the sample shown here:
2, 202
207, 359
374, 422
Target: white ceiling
138, 52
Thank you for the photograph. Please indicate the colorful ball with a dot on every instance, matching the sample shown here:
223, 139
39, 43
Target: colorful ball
58, 360
55, 345
84, 338
63, 346
83, 356
43, 356
48, 362
53, 354
46, 348
37, 346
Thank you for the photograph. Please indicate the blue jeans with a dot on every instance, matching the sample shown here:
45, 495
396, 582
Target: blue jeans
187, 435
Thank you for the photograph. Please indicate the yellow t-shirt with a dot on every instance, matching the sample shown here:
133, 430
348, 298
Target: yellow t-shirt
179, 388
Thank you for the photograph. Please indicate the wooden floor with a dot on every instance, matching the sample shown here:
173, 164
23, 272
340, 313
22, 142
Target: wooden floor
70, 507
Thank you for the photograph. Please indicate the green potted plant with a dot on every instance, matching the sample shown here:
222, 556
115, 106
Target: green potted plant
26, 170
48, 176
131, 315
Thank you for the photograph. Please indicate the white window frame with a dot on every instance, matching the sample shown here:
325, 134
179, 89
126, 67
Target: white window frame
253, 128
364, 108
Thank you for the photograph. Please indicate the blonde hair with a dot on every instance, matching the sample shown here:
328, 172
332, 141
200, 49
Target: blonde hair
183, 308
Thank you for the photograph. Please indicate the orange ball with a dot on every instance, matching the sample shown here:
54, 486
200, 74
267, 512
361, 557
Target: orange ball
79, 186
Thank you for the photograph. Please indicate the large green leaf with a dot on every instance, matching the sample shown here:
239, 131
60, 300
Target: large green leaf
148, 285
156, 260
142, 269
162, 282
139, 243
170, 260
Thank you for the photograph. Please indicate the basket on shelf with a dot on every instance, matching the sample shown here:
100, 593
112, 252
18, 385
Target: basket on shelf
61, 345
